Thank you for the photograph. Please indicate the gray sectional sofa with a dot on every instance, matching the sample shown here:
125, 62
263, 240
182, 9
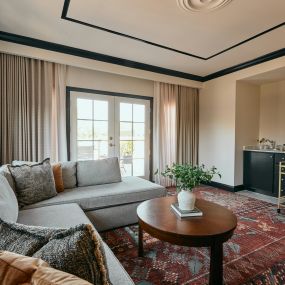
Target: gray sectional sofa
105, 206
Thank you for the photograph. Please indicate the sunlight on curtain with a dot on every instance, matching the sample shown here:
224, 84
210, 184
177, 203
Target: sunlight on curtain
164, 151
176, 126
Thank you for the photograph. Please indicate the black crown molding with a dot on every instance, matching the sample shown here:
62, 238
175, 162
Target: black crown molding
66, 17
23, 40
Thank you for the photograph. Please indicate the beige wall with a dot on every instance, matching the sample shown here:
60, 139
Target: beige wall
272, 111
217, 140
217, 127
93, 64
92, 79
246, 123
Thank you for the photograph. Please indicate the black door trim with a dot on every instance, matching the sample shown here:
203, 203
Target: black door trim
69, 89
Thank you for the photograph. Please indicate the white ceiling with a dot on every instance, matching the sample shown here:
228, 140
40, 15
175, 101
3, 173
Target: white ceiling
161, 22
267, 77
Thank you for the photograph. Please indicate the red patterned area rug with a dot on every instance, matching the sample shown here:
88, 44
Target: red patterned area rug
255, 255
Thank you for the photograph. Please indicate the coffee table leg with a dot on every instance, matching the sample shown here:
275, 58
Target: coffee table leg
140, 242
216, 264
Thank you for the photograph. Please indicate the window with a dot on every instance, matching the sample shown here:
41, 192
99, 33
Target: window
105, 126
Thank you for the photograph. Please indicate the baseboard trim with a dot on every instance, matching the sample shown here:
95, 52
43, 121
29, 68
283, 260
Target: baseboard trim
225, 186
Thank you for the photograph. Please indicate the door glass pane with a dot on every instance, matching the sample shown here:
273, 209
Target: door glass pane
100, 130
126, 112
126, 150
100, 110
92, 129
84, 150
138, 167
126, 131
126, 167
138, 131
84, 109
100, 149
138, 149
84, 130
139, 113
98, 138
132, 139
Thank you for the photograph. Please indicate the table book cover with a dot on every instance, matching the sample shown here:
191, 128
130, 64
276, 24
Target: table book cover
186, 213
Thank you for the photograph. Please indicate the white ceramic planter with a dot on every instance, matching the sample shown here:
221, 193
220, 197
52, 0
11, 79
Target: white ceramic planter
186, 200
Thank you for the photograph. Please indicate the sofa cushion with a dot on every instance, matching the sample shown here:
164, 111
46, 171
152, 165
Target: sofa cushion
20, 269
33, 183
60, 216
67, 215
69, 174
117, 273
130, 190
95, 172
4, 170
78, 251
8, 202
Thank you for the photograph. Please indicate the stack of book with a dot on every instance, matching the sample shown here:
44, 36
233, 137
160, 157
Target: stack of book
185, 213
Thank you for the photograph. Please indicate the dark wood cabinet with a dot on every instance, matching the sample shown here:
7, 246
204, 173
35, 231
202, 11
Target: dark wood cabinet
259, 172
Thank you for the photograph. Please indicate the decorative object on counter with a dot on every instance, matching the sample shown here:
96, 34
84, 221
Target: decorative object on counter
187, 177
280, 147
266, 143
185, 214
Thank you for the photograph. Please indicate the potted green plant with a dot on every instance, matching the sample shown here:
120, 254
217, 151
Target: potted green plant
187, 177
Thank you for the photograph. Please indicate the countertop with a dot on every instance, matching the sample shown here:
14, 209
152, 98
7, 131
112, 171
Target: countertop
257, 149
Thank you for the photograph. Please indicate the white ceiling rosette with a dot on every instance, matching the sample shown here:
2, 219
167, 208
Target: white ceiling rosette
202, 5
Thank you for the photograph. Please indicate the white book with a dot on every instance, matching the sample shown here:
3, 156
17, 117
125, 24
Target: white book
186, 213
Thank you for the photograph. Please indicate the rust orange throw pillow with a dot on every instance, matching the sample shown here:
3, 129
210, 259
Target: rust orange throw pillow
57, 173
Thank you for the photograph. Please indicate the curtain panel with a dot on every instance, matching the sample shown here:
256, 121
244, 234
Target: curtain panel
32, 107
176, 125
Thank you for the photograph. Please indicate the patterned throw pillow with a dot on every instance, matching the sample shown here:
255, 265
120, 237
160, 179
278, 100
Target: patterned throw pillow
34, 183
78, 251
23, 239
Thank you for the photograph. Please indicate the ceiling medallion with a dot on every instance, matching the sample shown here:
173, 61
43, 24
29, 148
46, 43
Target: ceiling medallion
201, 5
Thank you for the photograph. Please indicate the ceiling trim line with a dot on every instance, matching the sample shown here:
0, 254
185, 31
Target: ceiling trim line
246, 64
23, 40
64, 16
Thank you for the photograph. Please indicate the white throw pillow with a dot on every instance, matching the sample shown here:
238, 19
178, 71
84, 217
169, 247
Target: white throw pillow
9, 208
103, 171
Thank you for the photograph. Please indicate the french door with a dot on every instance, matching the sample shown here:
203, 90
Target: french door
106, 126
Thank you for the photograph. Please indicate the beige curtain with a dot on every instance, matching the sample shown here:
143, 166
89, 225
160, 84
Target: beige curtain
176, 126
164, 137
30, 90
187, 122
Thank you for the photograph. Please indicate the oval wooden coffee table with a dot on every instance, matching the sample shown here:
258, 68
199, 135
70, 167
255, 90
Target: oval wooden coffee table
211, 230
